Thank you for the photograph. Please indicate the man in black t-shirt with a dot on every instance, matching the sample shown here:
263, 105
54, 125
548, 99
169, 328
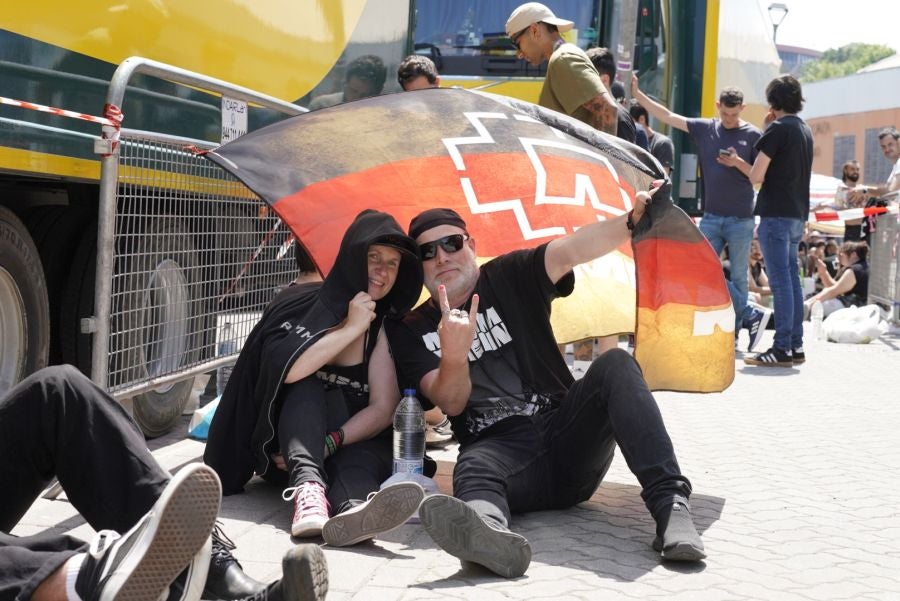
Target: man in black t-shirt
783, 166
531, 438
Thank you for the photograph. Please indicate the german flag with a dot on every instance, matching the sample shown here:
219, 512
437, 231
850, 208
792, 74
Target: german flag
520, 175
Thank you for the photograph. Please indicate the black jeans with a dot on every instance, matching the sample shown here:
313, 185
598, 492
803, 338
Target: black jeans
57, 423
308, 411
558, 458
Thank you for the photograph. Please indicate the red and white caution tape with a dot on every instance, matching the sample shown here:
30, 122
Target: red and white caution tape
111, 122
60, 112
820, 216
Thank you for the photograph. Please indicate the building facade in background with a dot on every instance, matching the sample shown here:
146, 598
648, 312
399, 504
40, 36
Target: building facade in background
846, 114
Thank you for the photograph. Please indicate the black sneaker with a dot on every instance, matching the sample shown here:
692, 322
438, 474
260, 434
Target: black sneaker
461, 532
798, 357
757, 327
140, 564
774, 357
676, 537
304, 577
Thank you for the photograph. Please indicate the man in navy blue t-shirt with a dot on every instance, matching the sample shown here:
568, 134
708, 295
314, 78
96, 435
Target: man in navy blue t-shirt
727, 193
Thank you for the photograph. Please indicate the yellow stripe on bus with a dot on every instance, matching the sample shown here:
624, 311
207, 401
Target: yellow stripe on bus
710, 61
43, 164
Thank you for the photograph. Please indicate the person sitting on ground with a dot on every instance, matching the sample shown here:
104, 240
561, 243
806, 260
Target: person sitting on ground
851, 287
57, 423
312, 396
531, 437
758, 281
417, 72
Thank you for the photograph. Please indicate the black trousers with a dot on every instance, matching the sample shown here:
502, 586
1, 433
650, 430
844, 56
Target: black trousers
558, 458
57, 423
308, 412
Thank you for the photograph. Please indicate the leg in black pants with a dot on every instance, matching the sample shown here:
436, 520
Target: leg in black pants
612, 404
302, 425
357, 470
58, 423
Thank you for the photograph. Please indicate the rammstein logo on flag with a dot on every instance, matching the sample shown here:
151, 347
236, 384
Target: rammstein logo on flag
519, 175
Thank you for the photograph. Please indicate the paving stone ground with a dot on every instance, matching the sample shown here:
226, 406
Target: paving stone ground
796, 476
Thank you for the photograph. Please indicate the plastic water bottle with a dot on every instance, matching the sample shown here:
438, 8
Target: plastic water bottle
816, 313
227, 346
409, 434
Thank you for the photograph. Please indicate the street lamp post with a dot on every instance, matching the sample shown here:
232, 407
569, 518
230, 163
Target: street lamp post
777, 12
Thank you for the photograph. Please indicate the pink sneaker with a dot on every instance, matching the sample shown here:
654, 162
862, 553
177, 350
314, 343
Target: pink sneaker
310, 509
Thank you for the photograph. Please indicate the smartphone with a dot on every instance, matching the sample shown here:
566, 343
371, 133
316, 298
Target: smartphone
724, 153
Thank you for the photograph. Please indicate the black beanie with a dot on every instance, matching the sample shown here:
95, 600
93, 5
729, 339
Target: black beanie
433, 218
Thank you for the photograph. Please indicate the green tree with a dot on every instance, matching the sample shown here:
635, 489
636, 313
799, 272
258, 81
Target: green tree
838, 62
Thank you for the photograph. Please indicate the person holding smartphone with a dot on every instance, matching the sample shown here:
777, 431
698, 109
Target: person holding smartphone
727, 192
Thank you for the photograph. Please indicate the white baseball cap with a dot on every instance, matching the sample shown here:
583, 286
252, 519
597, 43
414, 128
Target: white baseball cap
534, 12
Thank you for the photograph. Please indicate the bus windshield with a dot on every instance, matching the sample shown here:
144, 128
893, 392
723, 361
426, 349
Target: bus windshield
467, 37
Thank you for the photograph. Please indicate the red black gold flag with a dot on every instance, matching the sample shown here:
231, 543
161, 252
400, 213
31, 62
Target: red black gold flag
519, 175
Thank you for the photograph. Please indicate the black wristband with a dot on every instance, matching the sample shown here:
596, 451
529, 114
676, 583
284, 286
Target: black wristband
629, 221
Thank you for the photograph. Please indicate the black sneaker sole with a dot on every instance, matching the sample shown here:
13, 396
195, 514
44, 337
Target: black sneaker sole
168, 537
305, 573
460, 531
388, 509
679, 551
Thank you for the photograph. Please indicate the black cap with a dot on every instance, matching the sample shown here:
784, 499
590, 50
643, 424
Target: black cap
433, 218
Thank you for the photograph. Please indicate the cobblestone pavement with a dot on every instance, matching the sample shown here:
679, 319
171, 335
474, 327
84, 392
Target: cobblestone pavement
795, 475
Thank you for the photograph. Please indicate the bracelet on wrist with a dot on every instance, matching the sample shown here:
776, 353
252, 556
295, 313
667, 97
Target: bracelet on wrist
629, 220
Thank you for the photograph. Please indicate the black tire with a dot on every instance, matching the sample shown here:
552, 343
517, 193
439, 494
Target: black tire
57, 233
156, 329
78, 301
24, 312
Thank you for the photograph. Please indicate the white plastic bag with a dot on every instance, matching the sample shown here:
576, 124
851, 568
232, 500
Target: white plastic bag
198, 429
855, 325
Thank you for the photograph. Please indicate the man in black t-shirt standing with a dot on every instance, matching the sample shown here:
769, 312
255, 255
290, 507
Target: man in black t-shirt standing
783, 166
531, 437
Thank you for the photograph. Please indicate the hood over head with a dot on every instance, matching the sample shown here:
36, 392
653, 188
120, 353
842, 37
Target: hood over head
350, 273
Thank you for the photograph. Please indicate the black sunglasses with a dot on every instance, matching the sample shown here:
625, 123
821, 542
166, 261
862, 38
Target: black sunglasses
518, 36
450, 244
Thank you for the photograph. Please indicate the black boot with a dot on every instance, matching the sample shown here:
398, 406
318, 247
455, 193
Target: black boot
676, 537
226, 579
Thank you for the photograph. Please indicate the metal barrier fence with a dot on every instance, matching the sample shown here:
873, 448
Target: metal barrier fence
197, 258
187, 256
884, 277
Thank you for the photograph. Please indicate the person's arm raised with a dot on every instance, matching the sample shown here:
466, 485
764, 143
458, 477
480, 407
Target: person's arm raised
656, 109
592, 241
449, 385
360, 314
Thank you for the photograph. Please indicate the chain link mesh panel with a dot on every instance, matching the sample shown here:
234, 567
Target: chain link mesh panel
884, 277
197, 258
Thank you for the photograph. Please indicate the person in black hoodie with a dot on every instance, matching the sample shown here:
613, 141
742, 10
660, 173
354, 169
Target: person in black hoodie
313, 391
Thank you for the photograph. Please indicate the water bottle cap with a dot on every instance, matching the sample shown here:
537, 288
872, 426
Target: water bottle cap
409, 392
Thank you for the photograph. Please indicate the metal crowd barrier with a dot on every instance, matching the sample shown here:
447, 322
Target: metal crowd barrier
884, 277
187, 256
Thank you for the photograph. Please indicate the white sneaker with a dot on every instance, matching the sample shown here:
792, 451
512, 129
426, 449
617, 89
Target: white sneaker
384, 510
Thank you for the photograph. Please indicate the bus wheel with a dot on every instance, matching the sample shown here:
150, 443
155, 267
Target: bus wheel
24, 314
155, 326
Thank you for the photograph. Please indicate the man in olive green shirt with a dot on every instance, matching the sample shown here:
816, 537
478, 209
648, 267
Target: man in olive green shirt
572, 84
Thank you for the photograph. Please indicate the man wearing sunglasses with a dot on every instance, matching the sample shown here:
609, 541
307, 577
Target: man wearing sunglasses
531, 438
571, 85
